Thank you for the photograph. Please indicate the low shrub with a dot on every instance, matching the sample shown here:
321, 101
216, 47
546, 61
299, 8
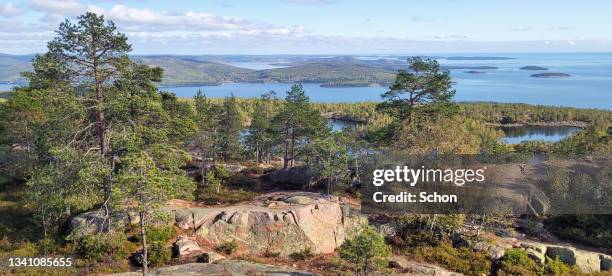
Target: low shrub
161, 233
302, 255
270, 254
25, 249
517, 262
365, 252
103, 246
556, 267
228, 248
155, 233
159, 254
462, 260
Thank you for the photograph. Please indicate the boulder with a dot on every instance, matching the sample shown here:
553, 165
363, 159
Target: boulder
92, 222
304, 221
296, 177
186, 246
606, 262
222, 267
536, 256
388, 229
460, 241
209, 256
481, 246
586, 261
496, 252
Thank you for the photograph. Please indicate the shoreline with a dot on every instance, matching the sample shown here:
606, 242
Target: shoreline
578, 124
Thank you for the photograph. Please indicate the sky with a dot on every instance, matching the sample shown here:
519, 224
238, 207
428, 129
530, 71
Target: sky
323, 26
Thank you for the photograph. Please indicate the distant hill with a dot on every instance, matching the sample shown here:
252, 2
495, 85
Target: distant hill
184, 70
478, 58
190, 71
12, 65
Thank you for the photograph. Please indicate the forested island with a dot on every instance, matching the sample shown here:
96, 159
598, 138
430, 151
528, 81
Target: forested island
532, 67
99, 164
551, 75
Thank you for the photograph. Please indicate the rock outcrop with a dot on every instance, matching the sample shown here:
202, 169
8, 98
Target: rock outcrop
403, 266
93, 222
279, 223
587, 261
296, 177
222, 267
188, 248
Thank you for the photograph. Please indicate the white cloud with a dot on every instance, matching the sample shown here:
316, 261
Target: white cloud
9, 10
59, 7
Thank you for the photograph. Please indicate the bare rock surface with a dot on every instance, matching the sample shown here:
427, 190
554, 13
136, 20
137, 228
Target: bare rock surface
222, 267
283, 223
404, 266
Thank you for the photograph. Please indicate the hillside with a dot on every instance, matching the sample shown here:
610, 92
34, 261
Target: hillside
339, 71
12, 65
188, 71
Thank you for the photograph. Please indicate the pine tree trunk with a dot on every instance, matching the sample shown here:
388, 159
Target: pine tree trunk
286, 158
292, 148
145, 260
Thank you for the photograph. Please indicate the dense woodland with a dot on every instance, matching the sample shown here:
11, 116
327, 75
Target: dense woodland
91, 131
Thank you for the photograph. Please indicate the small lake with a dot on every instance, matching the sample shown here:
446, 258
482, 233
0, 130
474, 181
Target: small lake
516, 135
513, 135
339, 125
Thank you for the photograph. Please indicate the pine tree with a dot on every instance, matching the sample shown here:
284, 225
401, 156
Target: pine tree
228, 138
297, 124
423, 90
259, 138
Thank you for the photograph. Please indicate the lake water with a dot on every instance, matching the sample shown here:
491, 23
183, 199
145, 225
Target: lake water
512, 135
516, 135
590, 84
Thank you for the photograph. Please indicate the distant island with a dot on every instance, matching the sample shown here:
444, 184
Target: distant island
532, 67
478, 58
551, 75
475, 72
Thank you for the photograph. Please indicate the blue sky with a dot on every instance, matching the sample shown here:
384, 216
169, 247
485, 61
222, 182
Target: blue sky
324, 26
